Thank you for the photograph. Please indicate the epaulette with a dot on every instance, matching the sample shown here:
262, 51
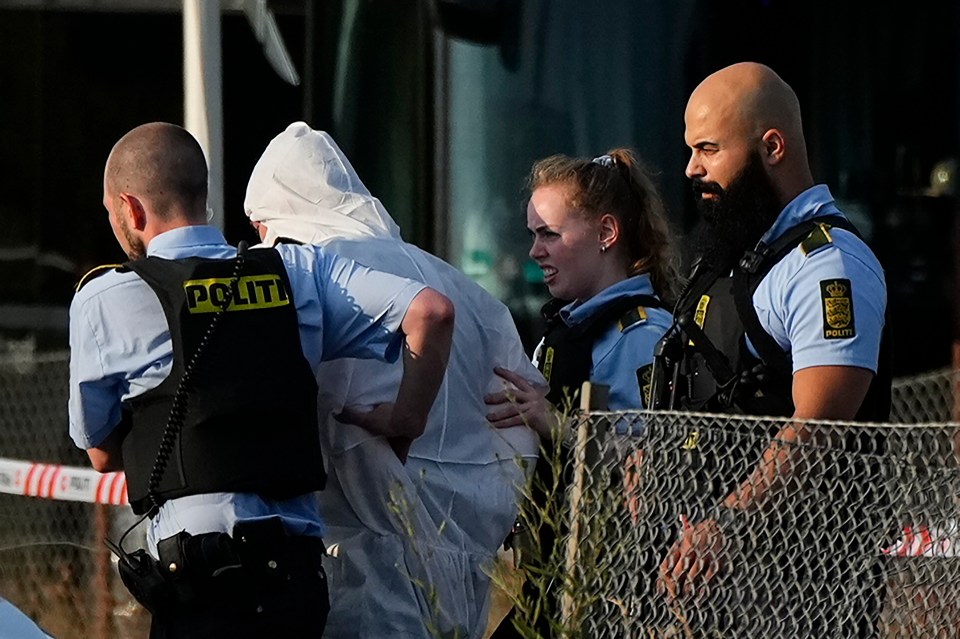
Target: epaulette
94, 273
819, 236
632, 317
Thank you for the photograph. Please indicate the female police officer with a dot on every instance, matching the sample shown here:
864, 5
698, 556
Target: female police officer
601, 238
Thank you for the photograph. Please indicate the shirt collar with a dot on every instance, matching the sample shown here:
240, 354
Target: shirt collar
575, 312
169, 243
814, 202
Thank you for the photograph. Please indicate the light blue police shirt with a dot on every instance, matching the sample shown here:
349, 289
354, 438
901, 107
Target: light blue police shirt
120, 347
617, 355
14, 624
804, 298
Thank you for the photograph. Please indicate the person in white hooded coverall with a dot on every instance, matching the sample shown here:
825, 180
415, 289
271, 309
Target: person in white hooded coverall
411, 545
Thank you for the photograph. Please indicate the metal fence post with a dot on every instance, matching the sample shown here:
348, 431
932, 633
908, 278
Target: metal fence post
593, 397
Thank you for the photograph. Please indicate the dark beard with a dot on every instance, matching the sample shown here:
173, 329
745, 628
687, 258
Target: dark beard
737, 218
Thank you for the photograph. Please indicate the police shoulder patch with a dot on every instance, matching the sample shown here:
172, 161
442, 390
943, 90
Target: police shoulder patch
94, 273
836, 296
645, 382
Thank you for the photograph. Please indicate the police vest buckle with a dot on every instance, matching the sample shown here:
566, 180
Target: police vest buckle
752, 259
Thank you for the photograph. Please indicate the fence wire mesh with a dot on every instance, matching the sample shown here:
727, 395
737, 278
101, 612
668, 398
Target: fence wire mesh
648, 542
808, 564
53, 565
931, 397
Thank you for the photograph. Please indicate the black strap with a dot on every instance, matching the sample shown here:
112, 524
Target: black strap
716, 361
618, 310
701, 279
551, 311
754, 266
570, 365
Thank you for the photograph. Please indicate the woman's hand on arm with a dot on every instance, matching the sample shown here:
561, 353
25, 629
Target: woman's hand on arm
522, 403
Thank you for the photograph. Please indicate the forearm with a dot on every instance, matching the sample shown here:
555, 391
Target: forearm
548, 421
423, 370
428, 326
819, 393
779, 463
108, 455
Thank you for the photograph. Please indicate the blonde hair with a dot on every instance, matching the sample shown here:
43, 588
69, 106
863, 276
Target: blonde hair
620, 184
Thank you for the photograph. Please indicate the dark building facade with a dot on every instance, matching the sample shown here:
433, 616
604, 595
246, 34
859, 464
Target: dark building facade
444, 104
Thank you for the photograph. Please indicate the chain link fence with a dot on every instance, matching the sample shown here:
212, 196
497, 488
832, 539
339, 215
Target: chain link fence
863, 533
931, 397
633, 527
53, 564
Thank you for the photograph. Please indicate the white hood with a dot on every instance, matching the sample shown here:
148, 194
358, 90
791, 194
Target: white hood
305, 189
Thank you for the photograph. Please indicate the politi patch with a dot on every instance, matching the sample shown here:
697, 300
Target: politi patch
645, 381
837, 298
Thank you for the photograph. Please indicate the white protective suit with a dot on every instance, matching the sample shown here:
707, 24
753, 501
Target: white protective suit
411, 545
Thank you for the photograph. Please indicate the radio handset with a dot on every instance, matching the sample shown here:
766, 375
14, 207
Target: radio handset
668, 353
667, 356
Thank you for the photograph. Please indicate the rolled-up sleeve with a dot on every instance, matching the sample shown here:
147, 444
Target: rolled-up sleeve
119, 348
345, 308
93, 406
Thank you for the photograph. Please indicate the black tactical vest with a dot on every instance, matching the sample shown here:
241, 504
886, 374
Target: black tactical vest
566, 355
717, 373
249, 416
718, 370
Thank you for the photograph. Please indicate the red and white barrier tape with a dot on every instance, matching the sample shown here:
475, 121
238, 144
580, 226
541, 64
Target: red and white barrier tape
927, 541
53, 481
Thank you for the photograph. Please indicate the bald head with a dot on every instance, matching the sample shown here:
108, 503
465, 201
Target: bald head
163, 165
753, 99
742, 112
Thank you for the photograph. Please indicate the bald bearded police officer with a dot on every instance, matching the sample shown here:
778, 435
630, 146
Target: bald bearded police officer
192, 369
783, 316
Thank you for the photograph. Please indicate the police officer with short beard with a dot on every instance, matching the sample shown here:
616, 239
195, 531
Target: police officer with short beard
192, 369
783, 316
